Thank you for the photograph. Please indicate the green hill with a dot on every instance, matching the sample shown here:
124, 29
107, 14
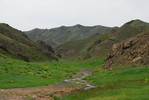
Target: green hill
98, 46
16, 44
57, 36
78, 49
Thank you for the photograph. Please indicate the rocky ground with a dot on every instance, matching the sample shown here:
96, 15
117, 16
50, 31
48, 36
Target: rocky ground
132, 51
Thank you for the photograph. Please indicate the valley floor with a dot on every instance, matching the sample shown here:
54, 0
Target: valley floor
21, 80
47, 92
126, 84
36, 93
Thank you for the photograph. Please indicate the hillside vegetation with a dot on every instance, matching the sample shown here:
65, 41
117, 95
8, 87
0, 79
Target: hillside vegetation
57, 36
99, 46
16, 44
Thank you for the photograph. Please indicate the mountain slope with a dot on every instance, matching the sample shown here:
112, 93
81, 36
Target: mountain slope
132, 51
57, 36
16, 44
98, 46
79, 49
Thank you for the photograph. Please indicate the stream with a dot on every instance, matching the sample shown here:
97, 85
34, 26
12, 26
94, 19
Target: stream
78, 79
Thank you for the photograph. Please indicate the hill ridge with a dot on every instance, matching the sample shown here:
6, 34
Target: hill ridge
59, 35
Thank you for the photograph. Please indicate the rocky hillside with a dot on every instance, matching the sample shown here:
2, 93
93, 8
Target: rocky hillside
98, 46
132, 51
14, 43
57, 36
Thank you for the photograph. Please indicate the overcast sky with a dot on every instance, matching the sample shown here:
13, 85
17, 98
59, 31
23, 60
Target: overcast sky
29, 14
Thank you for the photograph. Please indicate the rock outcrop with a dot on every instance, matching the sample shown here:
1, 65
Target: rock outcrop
132, 51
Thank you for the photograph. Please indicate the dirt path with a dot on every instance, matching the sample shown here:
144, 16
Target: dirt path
47, 92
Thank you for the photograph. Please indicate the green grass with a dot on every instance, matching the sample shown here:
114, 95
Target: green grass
90, 63
126, 84
17, 73
85, 64
106, 77
129, 84
14, 81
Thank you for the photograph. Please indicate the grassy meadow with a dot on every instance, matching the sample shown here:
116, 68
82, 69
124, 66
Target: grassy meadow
128, 84
123, 83
16, 73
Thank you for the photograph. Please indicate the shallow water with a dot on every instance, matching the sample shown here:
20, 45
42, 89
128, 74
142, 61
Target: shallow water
79, 80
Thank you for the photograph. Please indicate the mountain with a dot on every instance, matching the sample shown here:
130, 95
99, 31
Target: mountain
57, 36
81, 49
14, 43
132, 51
98, 46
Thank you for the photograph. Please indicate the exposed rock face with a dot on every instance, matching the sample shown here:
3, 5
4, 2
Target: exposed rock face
132, 51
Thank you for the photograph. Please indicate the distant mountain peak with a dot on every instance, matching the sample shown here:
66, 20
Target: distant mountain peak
79, 25
134, 22
36, 29
61, 27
